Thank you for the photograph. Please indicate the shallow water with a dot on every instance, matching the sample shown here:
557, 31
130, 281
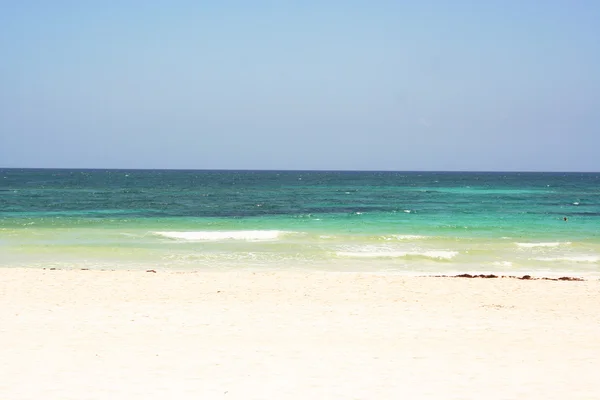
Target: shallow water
397, 222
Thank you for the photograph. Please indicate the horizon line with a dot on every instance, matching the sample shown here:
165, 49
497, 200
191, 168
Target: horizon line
293, 170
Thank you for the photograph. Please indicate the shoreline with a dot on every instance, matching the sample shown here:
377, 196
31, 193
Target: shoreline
556, 276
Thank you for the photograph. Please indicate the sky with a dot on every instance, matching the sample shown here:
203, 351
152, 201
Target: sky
321, 85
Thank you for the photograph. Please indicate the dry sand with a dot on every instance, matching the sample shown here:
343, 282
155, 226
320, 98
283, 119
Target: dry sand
293, 335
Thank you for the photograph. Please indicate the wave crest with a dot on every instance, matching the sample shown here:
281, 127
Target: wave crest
543, 244
223, 235
434, 254
577, 259
404, 237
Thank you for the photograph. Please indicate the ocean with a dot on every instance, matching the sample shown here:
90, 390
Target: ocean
415, 223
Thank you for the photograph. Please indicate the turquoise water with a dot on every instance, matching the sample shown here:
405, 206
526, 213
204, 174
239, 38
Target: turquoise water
401, 222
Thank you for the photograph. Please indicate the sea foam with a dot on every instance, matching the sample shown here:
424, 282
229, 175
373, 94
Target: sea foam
577, 259
503, 263
543, 244
404, 237
223, 235
434, 254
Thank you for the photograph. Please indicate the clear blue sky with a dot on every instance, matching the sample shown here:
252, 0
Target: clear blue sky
374, 85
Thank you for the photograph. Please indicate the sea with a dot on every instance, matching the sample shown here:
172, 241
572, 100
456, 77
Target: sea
413, 223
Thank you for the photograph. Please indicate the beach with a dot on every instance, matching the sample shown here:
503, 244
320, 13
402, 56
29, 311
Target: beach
300, 200
86, 334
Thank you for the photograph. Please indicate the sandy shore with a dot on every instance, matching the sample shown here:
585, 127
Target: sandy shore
243, 335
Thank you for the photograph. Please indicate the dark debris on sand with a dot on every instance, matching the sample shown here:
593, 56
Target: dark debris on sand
524, 277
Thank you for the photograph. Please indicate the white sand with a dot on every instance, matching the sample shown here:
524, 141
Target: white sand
137, 335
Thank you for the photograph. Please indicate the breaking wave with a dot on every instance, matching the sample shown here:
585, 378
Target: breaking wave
576, 259
434, 254
543, 244
223, 235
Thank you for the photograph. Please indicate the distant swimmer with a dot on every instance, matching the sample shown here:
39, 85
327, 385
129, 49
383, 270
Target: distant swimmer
565, 218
